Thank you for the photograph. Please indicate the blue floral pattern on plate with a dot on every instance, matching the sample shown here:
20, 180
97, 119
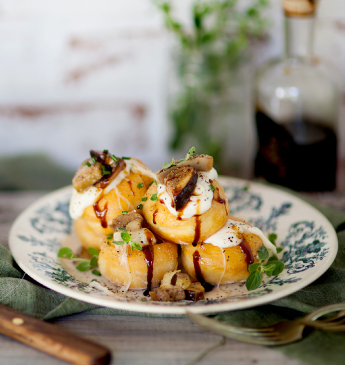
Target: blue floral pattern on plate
308, 239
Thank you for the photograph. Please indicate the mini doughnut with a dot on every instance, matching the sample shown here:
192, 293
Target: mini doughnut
130, 269
185, 231
213, 260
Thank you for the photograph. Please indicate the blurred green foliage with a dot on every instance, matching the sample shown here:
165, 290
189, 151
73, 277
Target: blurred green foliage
208, 55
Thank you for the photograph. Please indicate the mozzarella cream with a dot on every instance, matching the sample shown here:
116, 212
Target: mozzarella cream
199, 202
229, 236
80, 201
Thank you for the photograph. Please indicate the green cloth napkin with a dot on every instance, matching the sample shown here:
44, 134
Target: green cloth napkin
31, 298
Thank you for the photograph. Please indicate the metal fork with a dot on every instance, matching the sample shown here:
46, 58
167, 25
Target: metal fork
281, 333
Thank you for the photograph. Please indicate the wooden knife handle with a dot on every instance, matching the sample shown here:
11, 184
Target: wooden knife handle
49, 338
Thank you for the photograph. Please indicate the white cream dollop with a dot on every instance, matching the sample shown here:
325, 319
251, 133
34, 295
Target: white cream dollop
200, 200
80, 201
228, 236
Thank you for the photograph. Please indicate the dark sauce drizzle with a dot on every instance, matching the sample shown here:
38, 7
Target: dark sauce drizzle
101, 214
130, 186
196, 257
149, 258
154, 216
197, 231
248, 253
173, 280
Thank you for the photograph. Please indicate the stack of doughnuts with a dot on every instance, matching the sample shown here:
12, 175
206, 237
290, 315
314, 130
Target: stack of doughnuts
183, 205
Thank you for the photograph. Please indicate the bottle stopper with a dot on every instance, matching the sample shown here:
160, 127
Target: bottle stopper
299, 7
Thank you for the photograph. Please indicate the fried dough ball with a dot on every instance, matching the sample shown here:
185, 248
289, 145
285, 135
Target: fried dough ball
127, 195
186, 231
213, 260
129, 269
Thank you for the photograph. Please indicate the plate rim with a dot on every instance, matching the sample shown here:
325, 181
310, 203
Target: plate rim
173, 310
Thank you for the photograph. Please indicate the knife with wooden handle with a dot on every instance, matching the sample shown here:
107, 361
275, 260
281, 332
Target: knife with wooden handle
50, 339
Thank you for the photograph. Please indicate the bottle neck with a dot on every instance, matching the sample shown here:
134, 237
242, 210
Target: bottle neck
299, 34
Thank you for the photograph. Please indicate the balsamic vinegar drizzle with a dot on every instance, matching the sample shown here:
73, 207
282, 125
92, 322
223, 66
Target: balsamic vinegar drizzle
197, 231
248, 253
196, 257
154, 216
101, 214
149, 258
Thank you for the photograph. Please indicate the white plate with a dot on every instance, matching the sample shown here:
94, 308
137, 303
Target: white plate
309, 240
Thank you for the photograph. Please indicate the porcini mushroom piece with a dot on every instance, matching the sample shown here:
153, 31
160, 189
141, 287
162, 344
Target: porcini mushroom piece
176, 279
195, 292
167, 294
131, 221
199, 162
180, 184
87, 175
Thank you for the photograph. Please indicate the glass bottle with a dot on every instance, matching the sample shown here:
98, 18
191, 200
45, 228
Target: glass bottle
297, 102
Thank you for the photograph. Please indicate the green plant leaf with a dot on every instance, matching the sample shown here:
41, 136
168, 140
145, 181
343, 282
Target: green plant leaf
279, 267
254, 280
126, 236
136, 246
96, 272
94, 261
66, 252
154, 197
270, 267
119, 242
254, 267
263, 253
84, 266
93, 251
272, 258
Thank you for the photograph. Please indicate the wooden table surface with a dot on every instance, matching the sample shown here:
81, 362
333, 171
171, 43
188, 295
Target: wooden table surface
138, 340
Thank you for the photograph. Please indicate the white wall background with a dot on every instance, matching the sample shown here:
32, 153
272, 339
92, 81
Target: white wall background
77, 75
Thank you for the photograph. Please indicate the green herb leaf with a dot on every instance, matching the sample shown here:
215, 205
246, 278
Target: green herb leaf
87, 164
110, 236
270, 267
105, 151
272, 238
126, 236
140, 206
190, 153
144, 199
151, 183
104, 171
279, 267
108, 243
154, 197
212, 187
94, 159
124, 212
272, 258
254, 267
254, 280
66, 253
155, 181
119, 242
94, 261
168, 164
114, 158
121, 229
126, 158
139, 186
136, 246
84, 266
93, 251
245, 188
96, 272
263, 253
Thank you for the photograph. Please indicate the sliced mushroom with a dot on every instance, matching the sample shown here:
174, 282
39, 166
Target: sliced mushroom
199, 162
180, 184
195, 292
114, 168
167, 294
131, 221
87, 175
176, 279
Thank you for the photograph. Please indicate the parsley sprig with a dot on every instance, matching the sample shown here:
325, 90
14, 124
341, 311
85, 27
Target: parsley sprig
126, 238
85, 264
272, 238
175, 162
272, 267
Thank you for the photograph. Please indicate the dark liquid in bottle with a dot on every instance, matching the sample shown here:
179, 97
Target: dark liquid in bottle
301, 155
